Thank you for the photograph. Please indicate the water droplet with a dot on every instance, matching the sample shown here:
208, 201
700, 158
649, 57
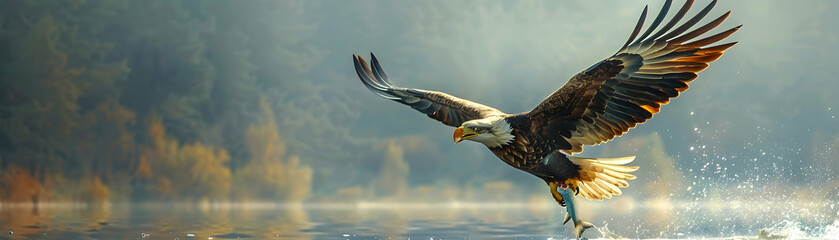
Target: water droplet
190, 235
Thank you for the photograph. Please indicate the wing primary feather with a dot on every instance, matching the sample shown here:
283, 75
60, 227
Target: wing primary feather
637, 29
690, 22
718, 48
703, 29
670, 56
447, 109
363, 71
711, 39
373, 72
668, 65
379, 71
652, 47
365, 79
679, 15
656, 22
707, 57
666, 76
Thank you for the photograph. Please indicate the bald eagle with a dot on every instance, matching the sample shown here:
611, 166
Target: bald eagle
593, 107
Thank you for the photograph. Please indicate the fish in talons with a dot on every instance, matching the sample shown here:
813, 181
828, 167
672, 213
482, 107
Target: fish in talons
568, 197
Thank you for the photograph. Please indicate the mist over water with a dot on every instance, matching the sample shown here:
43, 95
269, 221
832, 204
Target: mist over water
683, 220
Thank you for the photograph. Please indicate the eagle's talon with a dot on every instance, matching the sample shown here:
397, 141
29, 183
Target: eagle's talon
558, 197
572, 184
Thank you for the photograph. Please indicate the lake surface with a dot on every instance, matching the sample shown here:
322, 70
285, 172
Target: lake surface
422, 221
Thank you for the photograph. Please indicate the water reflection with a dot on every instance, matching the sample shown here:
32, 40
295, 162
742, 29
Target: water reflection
532, 220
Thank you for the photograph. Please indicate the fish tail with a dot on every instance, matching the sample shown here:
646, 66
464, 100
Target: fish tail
580, 227
567, 217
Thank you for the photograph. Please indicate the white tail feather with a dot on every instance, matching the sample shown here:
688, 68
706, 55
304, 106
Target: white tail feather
601, 178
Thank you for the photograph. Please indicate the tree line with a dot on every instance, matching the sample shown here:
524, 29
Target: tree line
144, 101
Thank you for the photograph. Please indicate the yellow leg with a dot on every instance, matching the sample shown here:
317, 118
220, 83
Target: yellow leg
557, 196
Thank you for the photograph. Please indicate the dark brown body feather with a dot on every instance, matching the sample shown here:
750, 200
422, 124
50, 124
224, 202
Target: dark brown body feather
534, 137
531, 154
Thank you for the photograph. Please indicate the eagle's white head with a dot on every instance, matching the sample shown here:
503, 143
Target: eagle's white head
492, 131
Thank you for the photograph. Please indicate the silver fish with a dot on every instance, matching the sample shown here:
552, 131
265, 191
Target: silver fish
568, 197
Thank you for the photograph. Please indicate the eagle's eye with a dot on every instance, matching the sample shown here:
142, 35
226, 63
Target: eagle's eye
480, 129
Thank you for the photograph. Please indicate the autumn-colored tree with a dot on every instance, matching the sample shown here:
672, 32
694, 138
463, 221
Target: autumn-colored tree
56, 87
39, 110
76, 76
393, 176
17, 185
106, 147
269, 174
208, 175
192, 171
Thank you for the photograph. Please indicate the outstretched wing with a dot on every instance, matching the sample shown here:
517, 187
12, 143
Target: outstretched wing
616, 94
447, 109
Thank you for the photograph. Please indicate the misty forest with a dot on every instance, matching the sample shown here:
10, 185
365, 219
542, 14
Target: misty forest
211, 101
150, 101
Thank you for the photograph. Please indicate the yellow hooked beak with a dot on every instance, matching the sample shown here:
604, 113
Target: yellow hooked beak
461, 134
